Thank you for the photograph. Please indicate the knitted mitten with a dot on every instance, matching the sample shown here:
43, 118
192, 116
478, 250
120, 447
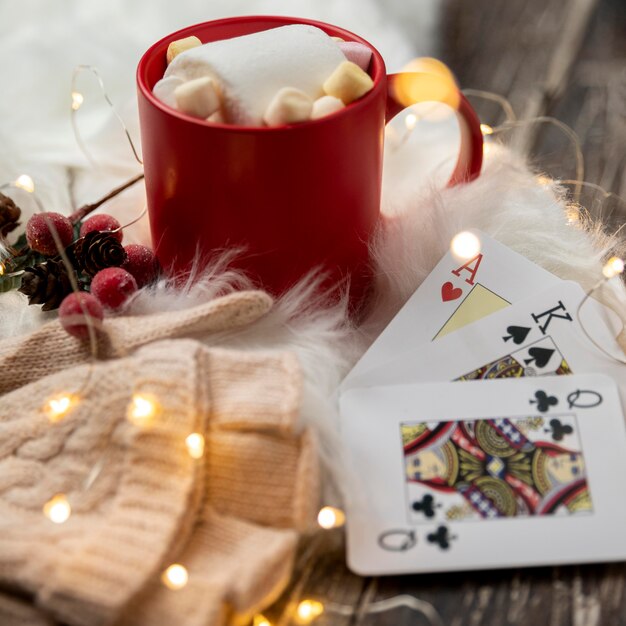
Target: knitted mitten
231, 518
50, 349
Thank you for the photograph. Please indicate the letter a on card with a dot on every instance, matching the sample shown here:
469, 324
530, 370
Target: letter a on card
472, 267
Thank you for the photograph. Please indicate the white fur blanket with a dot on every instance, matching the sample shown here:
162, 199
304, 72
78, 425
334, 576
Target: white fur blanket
37, 57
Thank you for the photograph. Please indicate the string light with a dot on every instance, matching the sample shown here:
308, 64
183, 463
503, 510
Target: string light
308, 610
485, 129
175, 576
331, 517
57, 509
410, 121
195, 445
26, 183
2, 268
465, 245
260, 620
77, 100
142, 409
59, 406
613, 267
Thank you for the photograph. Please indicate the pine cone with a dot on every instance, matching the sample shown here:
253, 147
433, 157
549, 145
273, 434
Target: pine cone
9, 215
47, 284
95, 251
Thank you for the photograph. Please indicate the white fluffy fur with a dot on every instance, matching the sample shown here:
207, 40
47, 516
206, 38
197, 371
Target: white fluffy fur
506, 201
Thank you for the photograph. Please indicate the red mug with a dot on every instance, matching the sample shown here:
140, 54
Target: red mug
295, 197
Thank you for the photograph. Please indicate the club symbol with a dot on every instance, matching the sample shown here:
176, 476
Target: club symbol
426, 506
540, 356
397, 540
517, 334
588, 399
559, 430
441, 537
543, 401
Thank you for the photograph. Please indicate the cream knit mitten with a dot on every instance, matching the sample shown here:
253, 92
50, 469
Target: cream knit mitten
232, 518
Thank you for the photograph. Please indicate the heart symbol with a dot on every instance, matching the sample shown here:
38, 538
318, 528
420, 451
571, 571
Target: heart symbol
540, 356
450, 292
517, 333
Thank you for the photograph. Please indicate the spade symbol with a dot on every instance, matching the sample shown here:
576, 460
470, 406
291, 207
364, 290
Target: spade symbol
517, 334
540, 356
559, 430
441, 537
397, 540
543, 401
425, 505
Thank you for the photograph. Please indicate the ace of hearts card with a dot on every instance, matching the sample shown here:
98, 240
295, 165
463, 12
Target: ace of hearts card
454, 295
504, 473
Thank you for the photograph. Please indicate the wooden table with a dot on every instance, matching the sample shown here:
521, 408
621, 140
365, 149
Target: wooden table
561, 58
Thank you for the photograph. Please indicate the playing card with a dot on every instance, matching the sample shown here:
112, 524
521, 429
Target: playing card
540, 336
500, 473
455, 294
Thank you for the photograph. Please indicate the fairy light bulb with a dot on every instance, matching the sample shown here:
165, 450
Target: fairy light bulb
331, 517
308, 610
59, 406
195, 445
485, 129
77, 100
465, 245
175, 576
142, 409
25, 182
613, 267
57, 509
260, 620
2, 268
410, 121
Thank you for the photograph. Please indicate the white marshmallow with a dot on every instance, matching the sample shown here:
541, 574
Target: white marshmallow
197, 97
165, 88
325, 106
288, 106
216, 118
358, 53
348, 82
249, 70
180, 45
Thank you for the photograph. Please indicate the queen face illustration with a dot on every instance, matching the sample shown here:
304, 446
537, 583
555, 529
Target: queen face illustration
425, 465
565, 468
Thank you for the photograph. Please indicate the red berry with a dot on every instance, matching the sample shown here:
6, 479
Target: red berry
73, 318
141, 263
113, 286
40, 238
102, 221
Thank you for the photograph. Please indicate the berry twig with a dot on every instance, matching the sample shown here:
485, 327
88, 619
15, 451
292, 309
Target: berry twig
85, 210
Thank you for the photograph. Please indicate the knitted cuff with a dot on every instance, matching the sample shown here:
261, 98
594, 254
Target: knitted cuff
50, 349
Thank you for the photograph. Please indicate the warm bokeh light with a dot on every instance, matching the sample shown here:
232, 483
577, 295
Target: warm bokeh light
410, 121
465, 245
260, 620
307, 611
59, 406
175, 576
195, 445
485, 129
57, 509
142, 409
613, 267
77, 100
25, 182
330, 517
425, 79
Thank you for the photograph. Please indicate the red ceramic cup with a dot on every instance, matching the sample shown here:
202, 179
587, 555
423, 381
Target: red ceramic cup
294, 198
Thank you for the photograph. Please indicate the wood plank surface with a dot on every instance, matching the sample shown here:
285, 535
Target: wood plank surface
561, 58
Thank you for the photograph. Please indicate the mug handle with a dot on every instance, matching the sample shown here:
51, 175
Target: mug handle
407, 88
